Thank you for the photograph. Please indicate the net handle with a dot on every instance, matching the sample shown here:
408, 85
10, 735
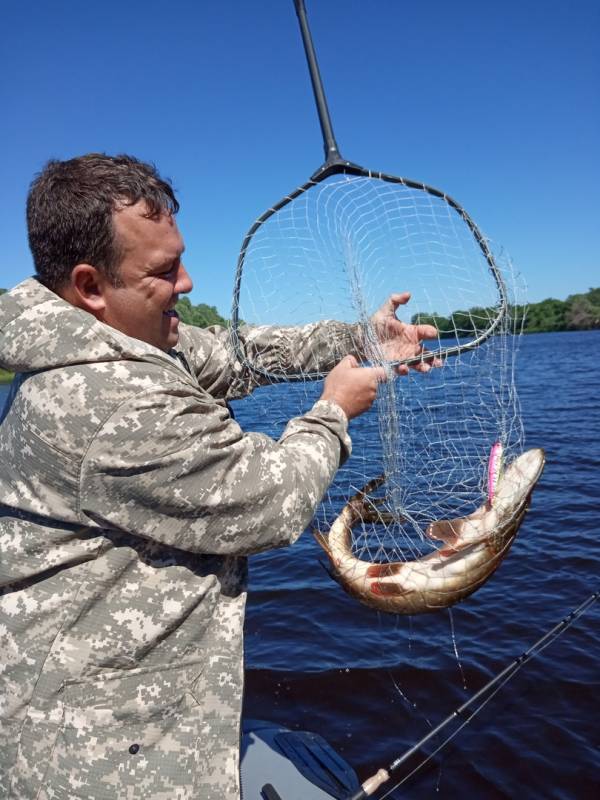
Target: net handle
332, 153
333, 157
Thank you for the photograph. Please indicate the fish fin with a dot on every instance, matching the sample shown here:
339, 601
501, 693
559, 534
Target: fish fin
323, 541
461, 532
445, 530
371, 486
388, 589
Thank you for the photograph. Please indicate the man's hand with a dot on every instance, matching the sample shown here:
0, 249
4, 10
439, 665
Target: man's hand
400, 340
352, 387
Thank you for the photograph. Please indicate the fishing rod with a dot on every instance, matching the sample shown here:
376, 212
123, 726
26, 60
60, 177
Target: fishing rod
383, 775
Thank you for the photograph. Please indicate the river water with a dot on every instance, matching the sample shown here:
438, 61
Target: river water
374, 684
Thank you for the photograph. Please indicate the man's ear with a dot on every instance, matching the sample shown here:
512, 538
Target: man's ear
86, 289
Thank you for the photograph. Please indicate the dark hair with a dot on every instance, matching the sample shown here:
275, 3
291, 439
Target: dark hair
70, 210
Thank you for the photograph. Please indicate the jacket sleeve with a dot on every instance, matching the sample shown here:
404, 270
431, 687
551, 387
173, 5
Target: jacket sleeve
172, 465
307, 348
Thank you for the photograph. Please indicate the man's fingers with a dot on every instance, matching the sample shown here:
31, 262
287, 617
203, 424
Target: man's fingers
426, 331
352, 387
428, 361
402, 340
379, 373
349, 361
433, 361
422, 366
398, 299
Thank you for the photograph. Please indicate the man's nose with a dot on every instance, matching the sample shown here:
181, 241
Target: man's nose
183, 284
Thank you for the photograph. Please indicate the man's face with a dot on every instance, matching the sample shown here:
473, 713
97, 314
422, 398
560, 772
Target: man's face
152, 276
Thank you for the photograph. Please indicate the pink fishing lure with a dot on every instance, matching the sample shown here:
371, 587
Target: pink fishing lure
494, 469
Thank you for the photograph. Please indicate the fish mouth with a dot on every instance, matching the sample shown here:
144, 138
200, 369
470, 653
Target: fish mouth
171, 312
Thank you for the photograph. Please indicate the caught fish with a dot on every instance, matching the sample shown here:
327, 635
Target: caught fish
472, 547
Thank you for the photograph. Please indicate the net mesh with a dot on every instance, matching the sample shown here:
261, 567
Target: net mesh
336, 252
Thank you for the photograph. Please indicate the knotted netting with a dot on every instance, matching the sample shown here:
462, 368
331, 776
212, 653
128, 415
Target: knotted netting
336, 251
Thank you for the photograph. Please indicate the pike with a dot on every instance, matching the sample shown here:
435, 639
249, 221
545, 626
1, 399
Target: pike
472, 546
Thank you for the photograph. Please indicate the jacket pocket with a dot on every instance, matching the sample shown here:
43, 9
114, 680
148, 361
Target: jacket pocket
127, 736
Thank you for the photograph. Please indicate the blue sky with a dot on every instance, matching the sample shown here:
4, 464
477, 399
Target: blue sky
495, 103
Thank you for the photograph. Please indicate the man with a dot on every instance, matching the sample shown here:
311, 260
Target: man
130, 497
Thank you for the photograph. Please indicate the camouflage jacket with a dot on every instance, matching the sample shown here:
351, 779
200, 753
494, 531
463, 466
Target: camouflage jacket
129, 498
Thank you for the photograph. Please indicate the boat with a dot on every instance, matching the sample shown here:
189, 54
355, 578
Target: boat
280, 764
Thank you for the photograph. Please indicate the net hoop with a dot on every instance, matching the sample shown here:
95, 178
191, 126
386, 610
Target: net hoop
349, 168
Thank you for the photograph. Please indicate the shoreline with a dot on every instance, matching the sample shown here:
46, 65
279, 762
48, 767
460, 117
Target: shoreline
7, 377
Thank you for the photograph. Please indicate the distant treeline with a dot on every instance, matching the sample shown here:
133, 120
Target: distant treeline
579, 312
201, 315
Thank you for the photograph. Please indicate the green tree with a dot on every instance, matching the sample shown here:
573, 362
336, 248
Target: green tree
549, 315
583, 310
200, 315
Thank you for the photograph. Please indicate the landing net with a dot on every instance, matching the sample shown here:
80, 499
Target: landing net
336, 252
